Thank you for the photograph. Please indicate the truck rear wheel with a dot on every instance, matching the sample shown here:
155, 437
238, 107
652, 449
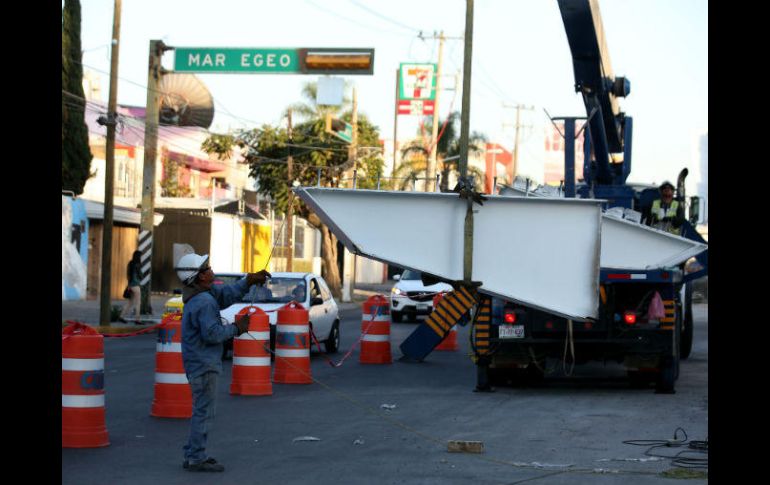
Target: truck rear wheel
668, 374
669, 371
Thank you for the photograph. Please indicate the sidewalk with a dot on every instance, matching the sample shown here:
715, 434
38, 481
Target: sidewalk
87, 311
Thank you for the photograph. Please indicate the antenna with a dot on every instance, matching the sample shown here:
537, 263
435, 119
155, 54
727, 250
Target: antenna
185, 101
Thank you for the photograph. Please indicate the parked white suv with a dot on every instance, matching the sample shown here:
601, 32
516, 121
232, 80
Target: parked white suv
409, 297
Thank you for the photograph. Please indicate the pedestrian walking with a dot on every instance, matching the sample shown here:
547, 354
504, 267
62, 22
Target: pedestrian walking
134, 277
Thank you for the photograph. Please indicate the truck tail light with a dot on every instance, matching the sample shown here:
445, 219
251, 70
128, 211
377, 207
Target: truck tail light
629, 318
510, 317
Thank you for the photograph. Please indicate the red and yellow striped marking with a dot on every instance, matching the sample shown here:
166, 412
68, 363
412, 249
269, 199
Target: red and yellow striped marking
449, 311
481, 333
668, 321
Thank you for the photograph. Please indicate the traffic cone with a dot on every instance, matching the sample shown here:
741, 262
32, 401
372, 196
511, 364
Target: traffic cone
82, 386
450, 341
375, 330
173, 395
292, 345
251, 360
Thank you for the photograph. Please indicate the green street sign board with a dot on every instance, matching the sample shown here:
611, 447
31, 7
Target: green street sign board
305, 60
236, 60
345, 135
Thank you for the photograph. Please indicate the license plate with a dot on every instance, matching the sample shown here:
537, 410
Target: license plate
511, 331
422, 307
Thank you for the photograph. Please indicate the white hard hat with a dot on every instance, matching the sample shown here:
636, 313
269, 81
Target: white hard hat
189, 266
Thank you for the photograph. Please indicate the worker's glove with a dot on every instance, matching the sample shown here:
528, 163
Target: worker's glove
257, 278
242, 324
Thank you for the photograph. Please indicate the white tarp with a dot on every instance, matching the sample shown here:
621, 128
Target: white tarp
541, 252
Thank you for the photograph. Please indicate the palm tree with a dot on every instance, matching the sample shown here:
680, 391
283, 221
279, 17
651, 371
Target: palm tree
414, 165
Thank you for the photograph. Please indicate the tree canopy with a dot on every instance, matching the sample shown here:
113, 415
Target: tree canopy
76, 154
415, 155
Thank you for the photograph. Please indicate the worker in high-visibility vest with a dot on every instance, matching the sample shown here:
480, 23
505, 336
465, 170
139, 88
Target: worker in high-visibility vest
666, 214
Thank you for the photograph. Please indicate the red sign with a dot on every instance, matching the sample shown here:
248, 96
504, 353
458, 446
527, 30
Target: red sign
423, 107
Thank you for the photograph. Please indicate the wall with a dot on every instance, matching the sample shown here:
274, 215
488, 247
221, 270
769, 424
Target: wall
306, 261
226, 244
124, 240
256, 243
74, 247
369, 271
178, 227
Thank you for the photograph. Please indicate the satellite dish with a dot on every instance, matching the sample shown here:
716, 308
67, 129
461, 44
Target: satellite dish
185, 101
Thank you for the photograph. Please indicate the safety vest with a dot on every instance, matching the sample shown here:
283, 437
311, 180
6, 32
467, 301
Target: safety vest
662, 218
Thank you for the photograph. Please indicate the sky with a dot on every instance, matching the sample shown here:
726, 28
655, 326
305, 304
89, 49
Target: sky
520, 56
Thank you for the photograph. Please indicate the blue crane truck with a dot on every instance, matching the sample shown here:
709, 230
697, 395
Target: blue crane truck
518, 340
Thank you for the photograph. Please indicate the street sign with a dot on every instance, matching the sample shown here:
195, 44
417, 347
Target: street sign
303, 60
416, 107
417, 81
346, 134
339, 128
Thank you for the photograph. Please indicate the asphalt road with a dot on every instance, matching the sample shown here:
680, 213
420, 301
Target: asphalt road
567, 431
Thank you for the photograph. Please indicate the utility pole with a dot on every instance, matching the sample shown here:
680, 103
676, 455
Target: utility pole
395, 128
429, 186
515, 164
349, 259
109, 174
353, 154
154, 72
464, 132
290, 208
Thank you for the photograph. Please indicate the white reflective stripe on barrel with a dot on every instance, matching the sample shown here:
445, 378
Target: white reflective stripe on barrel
376, 338
255, 336
82, 364
293, 328
170, 378
379, 318
252, 361
172, 347
90, 401
292, 352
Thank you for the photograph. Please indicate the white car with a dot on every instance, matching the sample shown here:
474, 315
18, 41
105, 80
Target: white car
409, 297
309, 289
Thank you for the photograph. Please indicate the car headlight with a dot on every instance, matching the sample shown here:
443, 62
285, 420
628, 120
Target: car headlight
397, 292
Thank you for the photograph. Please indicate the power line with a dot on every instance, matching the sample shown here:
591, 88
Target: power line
226, 111
383, 17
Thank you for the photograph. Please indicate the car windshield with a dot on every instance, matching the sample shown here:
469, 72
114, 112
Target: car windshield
410, 275
277, 290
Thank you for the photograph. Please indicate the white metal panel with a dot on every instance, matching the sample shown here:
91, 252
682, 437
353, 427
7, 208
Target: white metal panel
541, 252
628, 245
538, 251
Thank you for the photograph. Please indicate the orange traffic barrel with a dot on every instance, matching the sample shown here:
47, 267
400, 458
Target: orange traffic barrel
251, 360
450, 341
375, 331
82, 388
292, 345
173, 396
